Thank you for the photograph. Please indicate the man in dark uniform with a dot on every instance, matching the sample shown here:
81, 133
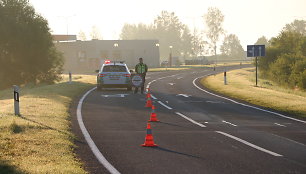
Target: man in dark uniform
142, 70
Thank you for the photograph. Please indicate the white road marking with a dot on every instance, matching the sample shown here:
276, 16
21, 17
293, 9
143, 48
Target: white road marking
250, 144
279, 125
88, 139
152, 96
184, 95
229, 123
179, 78
271, 112
171, 84
189, 119
163, 104
115, 95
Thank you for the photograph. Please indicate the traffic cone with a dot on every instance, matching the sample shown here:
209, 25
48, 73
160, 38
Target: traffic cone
148, 93
153, 117
149, 142
149, 103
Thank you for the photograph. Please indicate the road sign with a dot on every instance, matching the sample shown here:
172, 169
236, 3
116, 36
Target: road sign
256, 50
137, 80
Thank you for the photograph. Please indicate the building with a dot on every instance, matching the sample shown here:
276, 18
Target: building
82, 56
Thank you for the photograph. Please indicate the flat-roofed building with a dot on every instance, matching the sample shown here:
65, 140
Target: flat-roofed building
88, 56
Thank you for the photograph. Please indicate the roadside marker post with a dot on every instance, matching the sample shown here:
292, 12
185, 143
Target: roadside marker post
225, 82
70, 77
16, 100
256, 51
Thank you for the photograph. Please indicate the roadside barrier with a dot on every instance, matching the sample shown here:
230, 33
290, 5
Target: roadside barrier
149, 142
153, 117
148, 93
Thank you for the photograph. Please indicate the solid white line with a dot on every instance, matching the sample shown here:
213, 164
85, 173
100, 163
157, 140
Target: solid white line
152, 96
229, 123
279, 125
189, 119
164, 105
88, 139
250, 144
271, 112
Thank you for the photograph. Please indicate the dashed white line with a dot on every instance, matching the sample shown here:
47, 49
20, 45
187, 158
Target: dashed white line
163, 104
279, 125
189, 119
250, 144
88, 139
229, 123
179, 78
271, 112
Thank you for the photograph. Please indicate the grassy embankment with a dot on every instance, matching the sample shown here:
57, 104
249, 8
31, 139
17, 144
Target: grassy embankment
241, 85
40, 141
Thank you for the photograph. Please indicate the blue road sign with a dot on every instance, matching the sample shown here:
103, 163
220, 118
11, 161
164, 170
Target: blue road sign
256, 50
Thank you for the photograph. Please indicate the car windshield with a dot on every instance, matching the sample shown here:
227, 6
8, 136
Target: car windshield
114, 68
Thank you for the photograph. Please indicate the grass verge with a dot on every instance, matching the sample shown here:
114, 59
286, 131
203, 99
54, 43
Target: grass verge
40, 141
241, 85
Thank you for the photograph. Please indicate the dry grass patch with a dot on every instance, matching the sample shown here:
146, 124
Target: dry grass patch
40, 141
241, 85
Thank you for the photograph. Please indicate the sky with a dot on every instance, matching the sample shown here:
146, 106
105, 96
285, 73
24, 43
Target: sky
248, 19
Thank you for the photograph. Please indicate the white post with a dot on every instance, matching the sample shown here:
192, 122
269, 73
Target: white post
16, 100
70, 77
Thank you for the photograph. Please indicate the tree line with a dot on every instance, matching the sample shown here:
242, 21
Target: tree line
170, 31
285, 60
27, 52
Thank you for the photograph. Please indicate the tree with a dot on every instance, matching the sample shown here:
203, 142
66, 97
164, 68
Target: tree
231, 47
27, 52
262, 41
298, 26
214, 19
95, 33
82, 36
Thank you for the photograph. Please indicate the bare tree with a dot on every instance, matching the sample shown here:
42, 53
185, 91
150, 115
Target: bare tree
95, 33
81, 36
214, 19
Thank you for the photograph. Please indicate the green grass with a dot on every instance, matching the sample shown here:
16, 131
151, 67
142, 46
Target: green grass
241, 85
40, 141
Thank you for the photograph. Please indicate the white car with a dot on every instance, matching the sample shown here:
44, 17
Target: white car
114, 74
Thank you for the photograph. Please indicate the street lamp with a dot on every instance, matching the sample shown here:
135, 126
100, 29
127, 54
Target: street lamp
170, 56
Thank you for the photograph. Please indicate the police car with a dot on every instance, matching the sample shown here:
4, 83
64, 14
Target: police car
114, 74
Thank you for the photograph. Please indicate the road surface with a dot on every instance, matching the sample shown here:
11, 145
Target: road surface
198, 131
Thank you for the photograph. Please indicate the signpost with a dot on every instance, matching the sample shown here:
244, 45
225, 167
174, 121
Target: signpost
137, 80
256, 51
16, 100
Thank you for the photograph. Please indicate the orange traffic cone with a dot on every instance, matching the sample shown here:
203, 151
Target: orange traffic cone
149, 103
148, 93
149, 142
153, 115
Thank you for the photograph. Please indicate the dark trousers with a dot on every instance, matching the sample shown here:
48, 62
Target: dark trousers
143, 83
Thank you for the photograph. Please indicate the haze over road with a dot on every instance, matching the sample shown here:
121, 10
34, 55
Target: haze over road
198, 132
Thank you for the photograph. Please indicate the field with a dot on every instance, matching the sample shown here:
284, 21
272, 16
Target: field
40, 140
241, 85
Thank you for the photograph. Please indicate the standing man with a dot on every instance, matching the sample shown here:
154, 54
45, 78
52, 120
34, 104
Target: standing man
142, 70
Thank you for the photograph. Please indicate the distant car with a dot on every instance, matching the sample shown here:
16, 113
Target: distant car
114, 74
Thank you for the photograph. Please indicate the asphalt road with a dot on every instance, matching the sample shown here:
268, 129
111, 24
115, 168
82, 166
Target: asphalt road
197, 133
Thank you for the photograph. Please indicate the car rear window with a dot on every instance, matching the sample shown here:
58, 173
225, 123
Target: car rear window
114, 68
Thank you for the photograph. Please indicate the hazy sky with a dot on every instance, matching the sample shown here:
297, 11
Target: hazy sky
248, 19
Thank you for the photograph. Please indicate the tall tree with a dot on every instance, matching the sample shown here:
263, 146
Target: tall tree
262, 41
231, 47
298, 26
214, 19
82, 36
27, 52
95, 33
